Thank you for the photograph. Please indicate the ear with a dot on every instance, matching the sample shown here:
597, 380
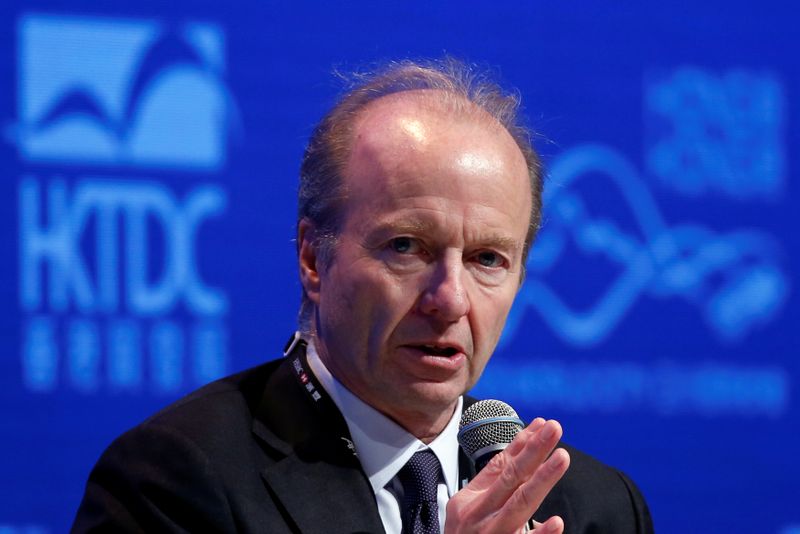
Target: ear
308, 260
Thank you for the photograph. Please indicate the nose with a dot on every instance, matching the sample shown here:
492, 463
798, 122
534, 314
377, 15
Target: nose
445, 295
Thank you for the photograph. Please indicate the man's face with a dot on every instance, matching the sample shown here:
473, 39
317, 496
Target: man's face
428, 259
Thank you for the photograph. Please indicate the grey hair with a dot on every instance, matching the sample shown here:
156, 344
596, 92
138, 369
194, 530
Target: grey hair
322, 191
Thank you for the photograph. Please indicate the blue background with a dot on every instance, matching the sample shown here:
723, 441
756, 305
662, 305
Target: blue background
668, 130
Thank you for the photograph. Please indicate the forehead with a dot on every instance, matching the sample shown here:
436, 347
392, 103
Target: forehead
424, 126
414, 148
419, 113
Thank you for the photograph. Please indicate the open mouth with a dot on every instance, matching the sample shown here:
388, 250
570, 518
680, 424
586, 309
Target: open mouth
436, 350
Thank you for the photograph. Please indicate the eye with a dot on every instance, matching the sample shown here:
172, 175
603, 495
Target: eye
404, 245
487, 258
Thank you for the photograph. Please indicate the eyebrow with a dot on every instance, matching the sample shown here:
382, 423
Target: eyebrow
502, 242
417, 226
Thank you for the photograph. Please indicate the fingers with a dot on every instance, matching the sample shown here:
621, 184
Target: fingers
507, 492
489, 474
522, 465
529, 496
533, 452
554, 525
520, 439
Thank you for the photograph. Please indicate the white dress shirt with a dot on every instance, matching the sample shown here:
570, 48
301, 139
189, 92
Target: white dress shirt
384, 447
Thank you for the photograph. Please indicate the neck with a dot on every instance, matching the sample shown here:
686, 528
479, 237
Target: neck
425, 429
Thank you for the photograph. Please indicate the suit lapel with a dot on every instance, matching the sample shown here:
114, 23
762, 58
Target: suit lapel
316, 476
322, 497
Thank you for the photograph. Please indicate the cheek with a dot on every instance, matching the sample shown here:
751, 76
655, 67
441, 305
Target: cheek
365, 295
492, 310
339, 302
391, 297
392, 301
389, 287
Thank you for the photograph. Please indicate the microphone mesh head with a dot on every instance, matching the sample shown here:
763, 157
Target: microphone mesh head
475, 436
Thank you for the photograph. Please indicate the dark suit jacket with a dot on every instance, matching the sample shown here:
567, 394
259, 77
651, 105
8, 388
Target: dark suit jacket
255, 453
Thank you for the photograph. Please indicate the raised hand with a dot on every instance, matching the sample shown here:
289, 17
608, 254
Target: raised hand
507, 492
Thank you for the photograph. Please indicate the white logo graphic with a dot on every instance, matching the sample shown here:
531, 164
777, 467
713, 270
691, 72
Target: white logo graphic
121, 92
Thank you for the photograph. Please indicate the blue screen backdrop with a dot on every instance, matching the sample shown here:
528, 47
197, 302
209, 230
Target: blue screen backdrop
149, 158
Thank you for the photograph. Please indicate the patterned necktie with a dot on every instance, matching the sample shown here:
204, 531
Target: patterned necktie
420, 480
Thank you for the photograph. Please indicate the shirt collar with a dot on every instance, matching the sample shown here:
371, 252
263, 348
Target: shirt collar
383, 446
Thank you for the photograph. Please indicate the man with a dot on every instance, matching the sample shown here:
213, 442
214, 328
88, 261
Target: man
419, 199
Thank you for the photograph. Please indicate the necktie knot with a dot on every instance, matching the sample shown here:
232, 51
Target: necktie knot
420, 480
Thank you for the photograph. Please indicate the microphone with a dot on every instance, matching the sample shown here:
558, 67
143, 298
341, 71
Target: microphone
486, 428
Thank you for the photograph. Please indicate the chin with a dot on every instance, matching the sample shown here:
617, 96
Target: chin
435, 396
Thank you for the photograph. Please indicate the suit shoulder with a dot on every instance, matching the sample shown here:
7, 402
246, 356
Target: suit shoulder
593, 495
584, 466
217, 405
191, 456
